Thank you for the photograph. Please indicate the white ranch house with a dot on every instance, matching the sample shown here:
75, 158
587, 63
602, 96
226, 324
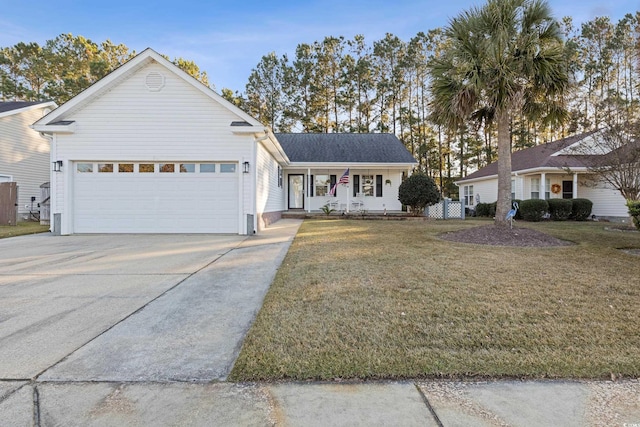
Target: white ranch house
548, 171
149, 149
24, 153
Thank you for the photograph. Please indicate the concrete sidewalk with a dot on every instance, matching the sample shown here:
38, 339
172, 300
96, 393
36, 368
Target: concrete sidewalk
421, 403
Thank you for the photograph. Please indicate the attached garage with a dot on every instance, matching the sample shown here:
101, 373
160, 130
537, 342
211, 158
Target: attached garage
155, 197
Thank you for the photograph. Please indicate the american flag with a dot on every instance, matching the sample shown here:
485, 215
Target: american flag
344, 179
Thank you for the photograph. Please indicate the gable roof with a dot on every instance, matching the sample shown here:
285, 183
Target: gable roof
344, 148
541, 156
142, 59
15, 107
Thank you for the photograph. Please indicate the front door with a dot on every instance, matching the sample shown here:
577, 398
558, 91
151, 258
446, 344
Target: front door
296, 191
567, 189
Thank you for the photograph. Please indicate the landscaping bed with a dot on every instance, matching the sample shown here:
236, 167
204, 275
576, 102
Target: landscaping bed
385, 299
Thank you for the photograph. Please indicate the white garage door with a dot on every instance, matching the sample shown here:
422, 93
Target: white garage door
154, 197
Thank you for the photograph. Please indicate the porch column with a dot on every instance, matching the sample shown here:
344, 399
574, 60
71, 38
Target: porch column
575, 185
543, 185
308, 190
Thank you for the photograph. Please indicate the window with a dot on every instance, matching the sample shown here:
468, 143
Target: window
535, 188
468, 195
228, 168
187, 167
167, 167
279, 176
207, 167
513, 189
125, 167
84, 167
105, 167
547, 188
146, 168
321, 185
367, 185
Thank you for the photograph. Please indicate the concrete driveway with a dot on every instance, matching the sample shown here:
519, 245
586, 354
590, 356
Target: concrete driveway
131, 307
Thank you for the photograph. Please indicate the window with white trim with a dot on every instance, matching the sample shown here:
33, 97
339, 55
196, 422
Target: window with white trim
84, 167
368, 185
547, 188
535, 188
468, 195
513, 189
321, 185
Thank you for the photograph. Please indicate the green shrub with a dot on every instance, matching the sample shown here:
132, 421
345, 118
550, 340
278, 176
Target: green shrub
581, 209
634, 211
560, 209
534, 209
418, 191
518, 213
492, 209
482, 209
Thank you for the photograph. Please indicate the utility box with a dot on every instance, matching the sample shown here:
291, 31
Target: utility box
250, 229
57, 224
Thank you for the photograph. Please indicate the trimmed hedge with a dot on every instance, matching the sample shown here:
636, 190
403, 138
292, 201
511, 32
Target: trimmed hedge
489, 209
581, 209
634, 211
534, 209
560, 209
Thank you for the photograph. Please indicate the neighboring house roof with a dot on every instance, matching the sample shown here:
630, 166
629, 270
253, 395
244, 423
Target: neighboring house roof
344, 148
14, 107
540, 156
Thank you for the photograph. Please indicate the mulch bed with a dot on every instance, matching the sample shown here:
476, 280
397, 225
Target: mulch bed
504, 236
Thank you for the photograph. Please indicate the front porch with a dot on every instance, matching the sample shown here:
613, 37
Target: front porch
391, 216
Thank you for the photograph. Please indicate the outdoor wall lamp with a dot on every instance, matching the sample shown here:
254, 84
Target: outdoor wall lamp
57, 166
245, 167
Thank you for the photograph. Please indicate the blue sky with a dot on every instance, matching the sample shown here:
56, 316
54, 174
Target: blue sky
227, 38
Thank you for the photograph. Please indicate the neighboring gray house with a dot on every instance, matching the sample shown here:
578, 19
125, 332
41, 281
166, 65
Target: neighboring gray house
548, 171
24, 153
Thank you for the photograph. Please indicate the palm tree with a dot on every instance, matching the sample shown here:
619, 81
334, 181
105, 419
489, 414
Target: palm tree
504, 57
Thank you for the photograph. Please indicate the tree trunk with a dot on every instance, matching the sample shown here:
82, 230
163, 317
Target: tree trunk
504, 169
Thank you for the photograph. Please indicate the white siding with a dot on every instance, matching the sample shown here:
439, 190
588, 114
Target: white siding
607, 201
131, 123
388, 201
270, 197
24, 154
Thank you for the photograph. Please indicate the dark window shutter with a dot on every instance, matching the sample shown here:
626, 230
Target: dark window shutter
356, 185
311, 186
332, 179
378, 185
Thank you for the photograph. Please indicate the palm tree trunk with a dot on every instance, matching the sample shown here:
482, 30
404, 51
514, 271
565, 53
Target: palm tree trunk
504, 169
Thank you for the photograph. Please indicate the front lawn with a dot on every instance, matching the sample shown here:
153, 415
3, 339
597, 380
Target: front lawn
24, 227
389, 299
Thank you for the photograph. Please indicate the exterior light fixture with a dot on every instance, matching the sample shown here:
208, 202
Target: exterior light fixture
57, 166
245, 167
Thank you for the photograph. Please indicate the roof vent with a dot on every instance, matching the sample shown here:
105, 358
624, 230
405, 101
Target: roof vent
154, 81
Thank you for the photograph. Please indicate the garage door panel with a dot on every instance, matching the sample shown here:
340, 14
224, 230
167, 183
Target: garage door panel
155, 203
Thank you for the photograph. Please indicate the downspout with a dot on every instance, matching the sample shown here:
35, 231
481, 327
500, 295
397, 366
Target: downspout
254, 181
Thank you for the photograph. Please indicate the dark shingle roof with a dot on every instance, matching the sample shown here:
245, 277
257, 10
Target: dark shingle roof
344, 148
539, 156
16, 105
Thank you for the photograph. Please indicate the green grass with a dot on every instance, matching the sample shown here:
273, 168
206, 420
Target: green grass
25, 227
387, 299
